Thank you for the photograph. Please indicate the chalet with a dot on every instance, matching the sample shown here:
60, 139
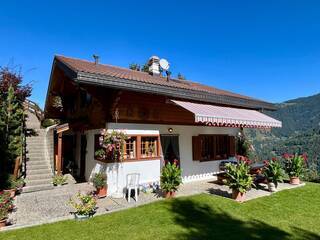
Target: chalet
167, 119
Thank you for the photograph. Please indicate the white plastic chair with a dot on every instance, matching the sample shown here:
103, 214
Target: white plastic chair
133, 184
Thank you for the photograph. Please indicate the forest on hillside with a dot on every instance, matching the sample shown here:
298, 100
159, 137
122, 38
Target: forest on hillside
300, 132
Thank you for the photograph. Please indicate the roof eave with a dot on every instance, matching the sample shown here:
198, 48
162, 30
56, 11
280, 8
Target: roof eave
194, 95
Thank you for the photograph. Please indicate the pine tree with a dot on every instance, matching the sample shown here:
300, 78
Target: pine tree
11, 119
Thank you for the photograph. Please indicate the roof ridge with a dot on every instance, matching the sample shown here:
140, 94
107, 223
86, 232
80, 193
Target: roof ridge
191, 84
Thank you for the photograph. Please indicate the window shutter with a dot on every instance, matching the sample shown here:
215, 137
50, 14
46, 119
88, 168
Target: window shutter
232, 146
196, 148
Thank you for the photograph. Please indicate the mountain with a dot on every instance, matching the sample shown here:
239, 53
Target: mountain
300, 132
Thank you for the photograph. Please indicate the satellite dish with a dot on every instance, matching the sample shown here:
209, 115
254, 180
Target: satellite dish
164, 64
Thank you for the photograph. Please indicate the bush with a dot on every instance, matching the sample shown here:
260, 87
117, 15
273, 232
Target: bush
238, 176
59, 180
273, 171
312, 175
48, 122
99, 180
6, 203
13, 183
170, 178
84, 204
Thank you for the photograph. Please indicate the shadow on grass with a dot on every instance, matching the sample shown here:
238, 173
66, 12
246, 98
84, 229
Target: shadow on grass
203, 222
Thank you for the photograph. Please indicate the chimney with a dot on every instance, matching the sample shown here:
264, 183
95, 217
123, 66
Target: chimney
96, 59
154, 66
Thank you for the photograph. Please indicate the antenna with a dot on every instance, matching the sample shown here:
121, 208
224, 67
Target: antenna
164, 64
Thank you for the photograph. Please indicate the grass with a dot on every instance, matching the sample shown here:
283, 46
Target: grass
290, 214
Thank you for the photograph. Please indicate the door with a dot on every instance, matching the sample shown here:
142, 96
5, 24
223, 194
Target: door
170, 148
83, 152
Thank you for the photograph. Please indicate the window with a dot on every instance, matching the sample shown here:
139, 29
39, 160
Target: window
137, 147
212, 147
149, 147
130, 149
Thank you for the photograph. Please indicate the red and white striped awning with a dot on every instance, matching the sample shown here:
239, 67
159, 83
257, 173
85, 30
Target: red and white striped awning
228, 117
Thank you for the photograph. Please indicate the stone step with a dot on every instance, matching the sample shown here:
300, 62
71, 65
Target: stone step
40, 161
42, 187
37, 182
36, 155
37, 166
38, 171
39, 176
35, 142
35, 149
36, 159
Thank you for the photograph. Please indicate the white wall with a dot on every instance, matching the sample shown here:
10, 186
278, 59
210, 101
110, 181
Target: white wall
150, 170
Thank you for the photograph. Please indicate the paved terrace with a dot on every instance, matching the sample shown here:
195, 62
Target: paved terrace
52, 205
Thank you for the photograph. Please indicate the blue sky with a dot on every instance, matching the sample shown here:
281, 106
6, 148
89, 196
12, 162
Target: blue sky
265, 49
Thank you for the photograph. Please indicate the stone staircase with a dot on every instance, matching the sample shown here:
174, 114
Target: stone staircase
38, 170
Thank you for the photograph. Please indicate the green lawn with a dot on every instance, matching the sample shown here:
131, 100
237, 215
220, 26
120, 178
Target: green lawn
290, 214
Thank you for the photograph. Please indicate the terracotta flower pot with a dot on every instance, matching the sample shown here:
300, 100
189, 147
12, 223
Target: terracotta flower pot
294, 180
102, 192
3, 223
170, 194
238, 196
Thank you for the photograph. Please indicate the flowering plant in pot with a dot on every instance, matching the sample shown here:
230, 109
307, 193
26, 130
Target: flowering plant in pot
112, 145
99, 181
170, 179
5, 206
11, 186
84, 205
295, 166
239, 179
112, 150
274, 173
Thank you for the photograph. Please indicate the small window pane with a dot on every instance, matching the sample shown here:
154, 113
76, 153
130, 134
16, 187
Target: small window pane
131, 148
149, 147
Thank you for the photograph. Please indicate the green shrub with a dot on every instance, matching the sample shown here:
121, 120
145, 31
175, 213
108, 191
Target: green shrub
238, 176
312, 175
83, 204
170, 178
99, 180
6, 203
59, 180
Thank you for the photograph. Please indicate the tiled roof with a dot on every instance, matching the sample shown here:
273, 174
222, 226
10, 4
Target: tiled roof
124, 73
83, 66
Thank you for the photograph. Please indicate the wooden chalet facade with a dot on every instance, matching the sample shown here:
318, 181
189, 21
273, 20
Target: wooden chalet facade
167, 119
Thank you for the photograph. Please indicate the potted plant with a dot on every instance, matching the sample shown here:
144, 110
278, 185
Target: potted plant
239, 179
84, 205
59, 180
5, 206
100, 183
170, 179
19, 185
274, 174
112, 149
295, 166
11, 186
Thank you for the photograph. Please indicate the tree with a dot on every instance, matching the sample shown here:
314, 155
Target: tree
12, 96
134, 66
181, 77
